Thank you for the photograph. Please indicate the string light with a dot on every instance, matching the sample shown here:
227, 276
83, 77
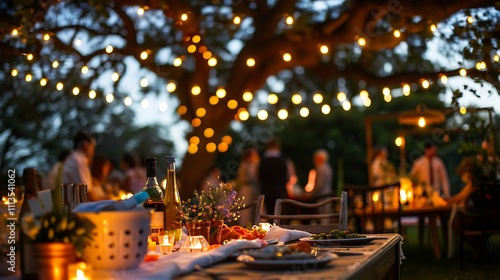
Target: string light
364, 94
304, 112
14, 72
361, 41
367, 102
326, 109
184, 17
144, 55
396, 33
140, 11
59, 86
194, 140
227, 139
207, 55
222, 147
84, 69
463, 110
213, 100
144, 82
212, 62
296, 98
232, 104
28, 77
211, 147
386, 91
247, 96
346, 106
399, 141
29, 56
195, 90
220, 92
75, 91
208, 132
191, 48
289, 20
317, 98
181, 110
163, 106
171, 86
324, 49
195, 122
144, 103
115, 76
496, 58
15, 32
262, 115
243, 115
46, 37
444, 79
425, 83
433, 27
43, 82
55, 64
201, 112
250, 62
177, 62
470, 20
272, 98
388, 98
406, 89
192, 149
287, 57
110, 98
282, 114
196, 39
481, 65
341, 96
421, 122
109, 49
127, 101
78, 42
237, 20
92, 94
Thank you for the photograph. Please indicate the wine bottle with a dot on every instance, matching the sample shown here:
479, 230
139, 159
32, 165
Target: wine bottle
127, 204
172, 215
155, 201
28, 262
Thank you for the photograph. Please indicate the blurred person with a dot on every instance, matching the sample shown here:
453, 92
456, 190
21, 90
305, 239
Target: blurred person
383, 172
273, 175
247, 181
101, 167
320, 181
430, 171
56, 172
76, 167
134, 176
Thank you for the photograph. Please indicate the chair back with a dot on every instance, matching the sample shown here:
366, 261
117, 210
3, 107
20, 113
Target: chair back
337, 219
255, 206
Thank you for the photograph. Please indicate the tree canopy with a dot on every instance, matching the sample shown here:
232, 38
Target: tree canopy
227, 61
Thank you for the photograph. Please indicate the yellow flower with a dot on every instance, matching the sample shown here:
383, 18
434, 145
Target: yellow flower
50, 234
45, 223
71, 225
63, 224
53, 220
80, 231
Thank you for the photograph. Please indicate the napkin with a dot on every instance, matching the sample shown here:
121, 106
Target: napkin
285, 235
176, 264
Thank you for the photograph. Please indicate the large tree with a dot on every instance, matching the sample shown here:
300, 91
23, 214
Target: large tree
212, 54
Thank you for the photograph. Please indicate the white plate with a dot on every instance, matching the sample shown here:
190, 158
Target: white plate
344, 241
307, 264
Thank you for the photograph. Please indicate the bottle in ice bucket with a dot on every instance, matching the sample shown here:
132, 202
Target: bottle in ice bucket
155, 201
172, 221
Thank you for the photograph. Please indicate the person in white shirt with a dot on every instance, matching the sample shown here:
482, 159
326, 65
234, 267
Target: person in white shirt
76, 168
55, 174
429, 170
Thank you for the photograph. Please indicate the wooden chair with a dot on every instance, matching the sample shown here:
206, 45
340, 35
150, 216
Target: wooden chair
484, 208
255, 206
378, 212
336, 219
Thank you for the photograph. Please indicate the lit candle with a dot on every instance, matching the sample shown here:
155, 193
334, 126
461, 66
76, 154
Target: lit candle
196, 248
79, 271
166, 248
151, 244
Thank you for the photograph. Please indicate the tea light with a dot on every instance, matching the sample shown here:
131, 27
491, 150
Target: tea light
79, 271
265, 226
151, 245
198, 244
166, 244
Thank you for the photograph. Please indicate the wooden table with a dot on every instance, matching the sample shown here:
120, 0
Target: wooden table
380, 259
422, 211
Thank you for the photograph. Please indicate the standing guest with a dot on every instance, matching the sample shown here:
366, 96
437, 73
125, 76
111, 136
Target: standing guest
55, 174
273, 175
101, 167
134, 179
320, 181
248, 181
77, 166
383, 172
429, 170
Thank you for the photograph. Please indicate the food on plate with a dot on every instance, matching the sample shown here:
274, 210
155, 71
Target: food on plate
239, 232
301, 250
336, 234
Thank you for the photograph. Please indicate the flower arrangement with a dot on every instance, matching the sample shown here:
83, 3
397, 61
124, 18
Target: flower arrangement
214, 203
59, 226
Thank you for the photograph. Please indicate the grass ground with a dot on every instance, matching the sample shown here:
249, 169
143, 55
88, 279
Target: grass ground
421, 264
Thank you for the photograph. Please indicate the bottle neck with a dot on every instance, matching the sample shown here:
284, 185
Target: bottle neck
171, 190
151, 168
